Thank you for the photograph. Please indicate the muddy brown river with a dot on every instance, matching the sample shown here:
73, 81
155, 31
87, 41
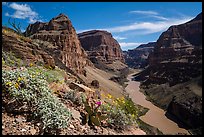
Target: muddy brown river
155, 116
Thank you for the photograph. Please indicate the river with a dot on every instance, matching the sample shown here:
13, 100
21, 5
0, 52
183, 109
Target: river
155, 116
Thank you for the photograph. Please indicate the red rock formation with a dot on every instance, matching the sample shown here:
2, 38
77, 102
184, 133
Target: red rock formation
29, 50
177, 62
178, 40
60, 32
100, 44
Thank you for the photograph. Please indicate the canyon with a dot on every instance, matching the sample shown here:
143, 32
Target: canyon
91, 61
173, 78
138, 57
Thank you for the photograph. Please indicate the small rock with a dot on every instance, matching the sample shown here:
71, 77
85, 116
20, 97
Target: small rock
33, 131
75, 114
23, 130
28, 127
105, 131
20, 120
111, 133
83, 128
71, 126
38, 124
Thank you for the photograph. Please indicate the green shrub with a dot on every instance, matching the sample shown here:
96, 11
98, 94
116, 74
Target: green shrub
122, 112
55, 75
75, 97
31, 87
9, 59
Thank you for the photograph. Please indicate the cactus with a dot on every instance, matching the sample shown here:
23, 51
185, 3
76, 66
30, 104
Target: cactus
93, 117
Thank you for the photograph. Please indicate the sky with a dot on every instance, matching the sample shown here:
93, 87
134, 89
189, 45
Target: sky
130, 23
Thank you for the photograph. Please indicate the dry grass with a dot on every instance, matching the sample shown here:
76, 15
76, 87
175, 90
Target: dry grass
105, 85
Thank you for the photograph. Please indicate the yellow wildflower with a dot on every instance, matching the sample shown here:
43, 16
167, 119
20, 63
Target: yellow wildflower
19, 79
16, 85
102, 95
4, 31
9, 83
3, 62
122, 98
31, 64
109, 96
115, 102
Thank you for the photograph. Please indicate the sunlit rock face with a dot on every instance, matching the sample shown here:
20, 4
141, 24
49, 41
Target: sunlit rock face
60, 32
101, 45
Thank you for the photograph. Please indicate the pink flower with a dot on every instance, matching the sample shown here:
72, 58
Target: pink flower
98, 103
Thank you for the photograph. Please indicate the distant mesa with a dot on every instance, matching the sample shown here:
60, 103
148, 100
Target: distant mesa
138, 57
101, 45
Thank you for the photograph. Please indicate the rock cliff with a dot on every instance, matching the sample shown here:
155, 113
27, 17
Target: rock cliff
101, 45
31, 51
178, 41
137, 58
67, 48
177, 60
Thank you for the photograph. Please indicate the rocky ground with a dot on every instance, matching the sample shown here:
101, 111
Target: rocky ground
20, 125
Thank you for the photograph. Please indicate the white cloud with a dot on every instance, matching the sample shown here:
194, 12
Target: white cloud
129, 44
145, 27
119, 38
4, 3
20, 7
148, 12
159, 17
6, 14
141, 28
80, 31
23, 30
23, 11
148, 27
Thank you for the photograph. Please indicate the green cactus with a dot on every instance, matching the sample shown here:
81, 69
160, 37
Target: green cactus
93, 117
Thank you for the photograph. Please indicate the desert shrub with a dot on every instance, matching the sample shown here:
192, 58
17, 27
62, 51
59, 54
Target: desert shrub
39, 63
55, 75
31, 87
75, 97
121, 111
9, 59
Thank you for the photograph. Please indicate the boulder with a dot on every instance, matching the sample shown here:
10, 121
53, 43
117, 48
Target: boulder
95, 83
75, 86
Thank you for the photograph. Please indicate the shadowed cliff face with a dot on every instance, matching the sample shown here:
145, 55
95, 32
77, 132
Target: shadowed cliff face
101, 45
178, 41
177, 56
60, 32
137, 58
177, 60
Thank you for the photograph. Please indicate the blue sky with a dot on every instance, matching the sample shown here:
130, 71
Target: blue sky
131, 23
